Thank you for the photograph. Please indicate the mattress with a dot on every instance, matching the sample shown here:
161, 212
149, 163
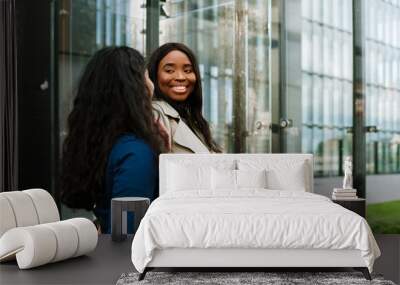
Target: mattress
251, 219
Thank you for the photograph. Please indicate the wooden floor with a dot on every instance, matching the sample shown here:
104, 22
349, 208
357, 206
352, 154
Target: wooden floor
389, 262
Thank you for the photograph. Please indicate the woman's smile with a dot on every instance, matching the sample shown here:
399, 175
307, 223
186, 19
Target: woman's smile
179, 89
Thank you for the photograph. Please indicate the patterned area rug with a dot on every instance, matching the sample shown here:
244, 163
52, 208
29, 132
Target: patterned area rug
229, 278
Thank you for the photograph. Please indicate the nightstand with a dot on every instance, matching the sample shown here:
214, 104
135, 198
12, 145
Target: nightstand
119, 207
355, 205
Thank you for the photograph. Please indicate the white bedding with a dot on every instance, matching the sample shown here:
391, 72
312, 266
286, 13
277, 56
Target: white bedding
251, 218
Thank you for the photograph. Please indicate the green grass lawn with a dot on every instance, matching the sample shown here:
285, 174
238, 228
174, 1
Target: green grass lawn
384, 218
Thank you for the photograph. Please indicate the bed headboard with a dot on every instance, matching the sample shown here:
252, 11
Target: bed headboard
211, 159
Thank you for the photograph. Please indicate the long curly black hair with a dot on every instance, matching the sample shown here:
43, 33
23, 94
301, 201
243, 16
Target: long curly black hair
190, 109
111, 100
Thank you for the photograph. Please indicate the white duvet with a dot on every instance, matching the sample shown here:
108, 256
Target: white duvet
250, 219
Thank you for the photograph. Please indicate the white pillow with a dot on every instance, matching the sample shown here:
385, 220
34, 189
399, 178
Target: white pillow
294, 179
223, 179
283, 174
226, 179
251, 178
182, 177
208, 161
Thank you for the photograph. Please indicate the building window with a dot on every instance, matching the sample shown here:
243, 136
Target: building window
327, 94
382, 49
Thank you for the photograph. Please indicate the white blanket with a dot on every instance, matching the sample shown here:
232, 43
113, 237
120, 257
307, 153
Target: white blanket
250, 219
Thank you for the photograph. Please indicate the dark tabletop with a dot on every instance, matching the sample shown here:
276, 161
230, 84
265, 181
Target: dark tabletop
102, 266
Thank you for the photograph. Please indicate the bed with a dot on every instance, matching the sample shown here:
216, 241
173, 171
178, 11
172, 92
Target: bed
246, 211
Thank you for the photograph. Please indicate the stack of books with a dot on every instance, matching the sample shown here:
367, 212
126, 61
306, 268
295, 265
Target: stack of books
344, 194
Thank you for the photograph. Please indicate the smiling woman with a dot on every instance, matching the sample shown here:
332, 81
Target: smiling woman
178, 99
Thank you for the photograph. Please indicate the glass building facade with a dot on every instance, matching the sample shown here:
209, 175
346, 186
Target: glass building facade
327, 83
315, 41
277, 75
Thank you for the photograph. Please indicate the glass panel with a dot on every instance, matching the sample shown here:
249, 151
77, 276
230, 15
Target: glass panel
382, 49
326, 84
208, 27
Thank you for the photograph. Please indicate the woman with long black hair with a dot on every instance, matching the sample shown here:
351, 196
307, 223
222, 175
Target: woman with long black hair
112, 143
178, 99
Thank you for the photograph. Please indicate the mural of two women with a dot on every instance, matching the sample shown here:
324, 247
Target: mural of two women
123, 117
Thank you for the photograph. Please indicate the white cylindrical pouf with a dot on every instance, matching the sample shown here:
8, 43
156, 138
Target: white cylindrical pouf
7, 218
34, 246
23, 208
67, 239
87, 235
45, 206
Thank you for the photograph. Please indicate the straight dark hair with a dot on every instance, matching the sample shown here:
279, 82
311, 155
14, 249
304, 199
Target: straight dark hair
191, 109
111, 101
